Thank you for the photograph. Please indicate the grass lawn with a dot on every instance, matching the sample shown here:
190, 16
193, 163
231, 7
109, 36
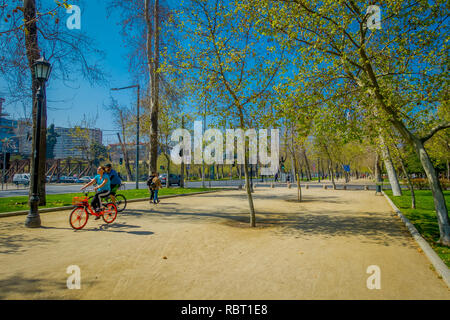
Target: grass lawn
423, 217
20, 203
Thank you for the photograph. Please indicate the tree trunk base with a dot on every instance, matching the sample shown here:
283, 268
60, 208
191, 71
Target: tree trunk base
445, 241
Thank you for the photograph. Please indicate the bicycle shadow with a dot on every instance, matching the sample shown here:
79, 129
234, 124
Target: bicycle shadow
122, 228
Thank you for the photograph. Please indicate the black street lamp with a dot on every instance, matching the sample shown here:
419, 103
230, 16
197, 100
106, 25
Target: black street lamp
42, 69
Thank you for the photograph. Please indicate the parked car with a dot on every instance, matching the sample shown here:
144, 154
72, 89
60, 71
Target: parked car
65, 179
76, 180
85, 179
62, 179
51, 179
22, 178
173, 179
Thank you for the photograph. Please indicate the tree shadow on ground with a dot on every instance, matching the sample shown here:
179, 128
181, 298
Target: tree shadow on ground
14, 243
326, 200
27, 287
372, 226
274, 196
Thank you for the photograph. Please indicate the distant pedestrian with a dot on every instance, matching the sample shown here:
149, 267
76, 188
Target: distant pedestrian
151, 186
156, 186
276, 177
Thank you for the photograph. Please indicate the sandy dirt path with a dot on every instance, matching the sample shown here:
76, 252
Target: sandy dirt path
200, 247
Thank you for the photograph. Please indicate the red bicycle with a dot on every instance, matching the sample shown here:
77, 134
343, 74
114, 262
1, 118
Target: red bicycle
80, 214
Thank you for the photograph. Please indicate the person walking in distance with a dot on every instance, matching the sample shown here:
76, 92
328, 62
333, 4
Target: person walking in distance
157, 185
151, 186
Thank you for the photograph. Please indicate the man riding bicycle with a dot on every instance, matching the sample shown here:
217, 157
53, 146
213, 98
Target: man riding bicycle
114, 180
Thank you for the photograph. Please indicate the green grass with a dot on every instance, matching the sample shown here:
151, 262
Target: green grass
10, 204
423, 217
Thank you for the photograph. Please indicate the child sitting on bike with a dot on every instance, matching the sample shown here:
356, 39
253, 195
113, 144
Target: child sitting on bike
102, 189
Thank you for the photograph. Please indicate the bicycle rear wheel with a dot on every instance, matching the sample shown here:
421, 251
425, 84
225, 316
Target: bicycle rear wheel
121, 202
78, 218
110, 213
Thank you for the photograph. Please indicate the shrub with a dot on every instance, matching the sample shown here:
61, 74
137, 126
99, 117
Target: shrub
445, 184
422, 184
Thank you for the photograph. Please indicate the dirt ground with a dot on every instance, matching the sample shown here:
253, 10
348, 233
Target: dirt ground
200, 247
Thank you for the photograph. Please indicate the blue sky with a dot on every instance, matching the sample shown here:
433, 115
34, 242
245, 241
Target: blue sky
68, 105
88, 100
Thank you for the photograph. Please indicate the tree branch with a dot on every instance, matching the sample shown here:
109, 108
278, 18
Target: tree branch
435, 130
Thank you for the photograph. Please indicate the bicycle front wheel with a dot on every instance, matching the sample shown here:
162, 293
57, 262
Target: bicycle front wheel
78, 218
121, 202
110, 213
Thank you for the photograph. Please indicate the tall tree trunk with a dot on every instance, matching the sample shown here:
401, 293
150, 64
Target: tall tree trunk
330, 167
318, 170
293, 166
182, 168
417, 143
247, 180
378, 177
296, 167
330, 170
33, 53
438, 195
448, 170
308, 170
168, 170
410, 185
153, 62
392, 174
188, 171
182, 165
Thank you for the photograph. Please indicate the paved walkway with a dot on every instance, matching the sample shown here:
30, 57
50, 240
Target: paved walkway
200, 247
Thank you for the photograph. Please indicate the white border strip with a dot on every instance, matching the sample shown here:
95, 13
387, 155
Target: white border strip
438, 264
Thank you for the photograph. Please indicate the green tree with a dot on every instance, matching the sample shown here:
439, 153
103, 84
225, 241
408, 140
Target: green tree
398, 74
98, 152
52, 139
225, 61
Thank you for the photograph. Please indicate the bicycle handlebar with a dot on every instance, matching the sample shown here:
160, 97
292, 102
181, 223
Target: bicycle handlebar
87, 191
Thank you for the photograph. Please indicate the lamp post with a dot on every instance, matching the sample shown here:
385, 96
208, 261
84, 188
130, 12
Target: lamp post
137, 128
42, 69
6, 144
4, 160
